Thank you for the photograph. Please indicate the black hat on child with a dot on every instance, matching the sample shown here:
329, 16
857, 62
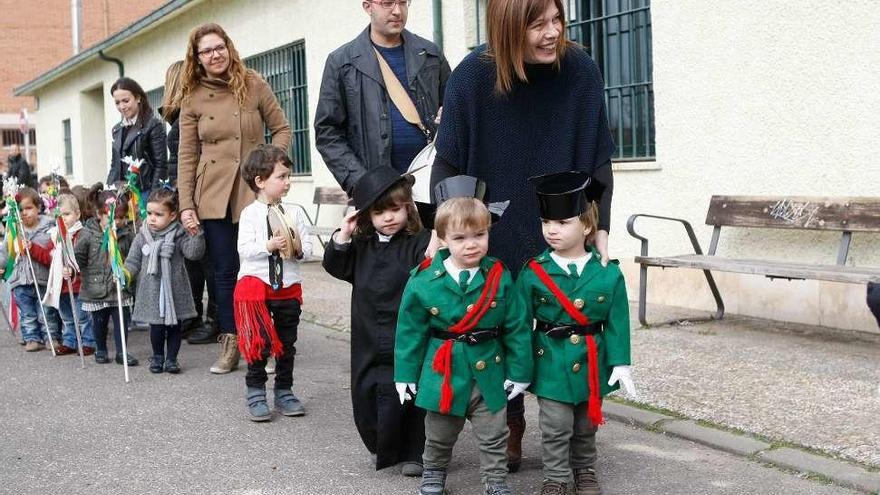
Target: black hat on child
373, 184
565, 194
466, 186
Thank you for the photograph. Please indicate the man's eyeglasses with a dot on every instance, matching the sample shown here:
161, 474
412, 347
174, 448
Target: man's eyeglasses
209, 52
389, 4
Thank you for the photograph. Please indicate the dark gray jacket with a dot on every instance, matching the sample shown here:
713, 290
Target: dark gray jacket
98, 284
352, 121
21, 170
142, 140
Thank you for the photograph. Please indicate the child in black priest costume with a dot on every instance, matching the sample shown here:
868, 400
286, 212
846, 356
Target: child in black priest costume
374, 249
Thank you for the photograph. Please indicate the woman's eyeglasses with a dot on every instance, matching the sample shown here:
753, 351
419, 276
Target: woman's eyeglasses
209, 52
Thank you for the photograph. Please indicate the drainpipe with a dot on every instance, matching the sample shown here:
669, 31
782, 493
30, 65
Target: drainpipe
438, 23
76, 25
116, 61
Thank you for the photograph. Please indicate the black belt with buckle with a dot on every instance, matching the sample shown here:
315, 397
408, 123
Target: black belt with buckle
566, 331
471, 338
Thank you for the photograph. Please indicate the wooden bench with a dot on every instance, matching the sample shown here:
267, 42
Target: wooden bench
842, 214
324, 196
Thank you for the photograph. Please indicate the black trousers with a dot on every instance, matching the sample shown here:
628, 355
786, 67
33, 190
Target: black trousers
874, 299
200, 272
101, 322
285, 314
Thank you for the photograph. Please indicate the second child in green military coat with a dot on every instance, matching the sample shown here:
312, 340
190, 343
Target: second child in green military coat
462, 339
582, 331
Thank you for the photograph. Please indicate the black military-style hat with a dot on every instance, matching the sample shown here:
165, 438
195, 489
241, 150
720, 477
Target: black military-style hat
374, 183
565, 194
466, 186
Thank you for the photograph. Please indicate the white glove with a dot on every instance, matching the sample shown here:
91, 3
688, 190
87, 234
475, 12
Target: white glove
514, 388
623, 375
405, 391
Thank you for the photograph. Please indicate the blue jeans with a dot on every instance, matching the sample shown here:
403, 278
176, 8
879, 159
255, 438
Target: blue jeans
33, 328
221, 239
68, 335
101, 322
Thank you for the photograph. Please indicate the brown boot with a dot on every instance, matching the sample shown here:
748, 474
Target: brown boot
586, 482
554, 488
517, 427
229, 354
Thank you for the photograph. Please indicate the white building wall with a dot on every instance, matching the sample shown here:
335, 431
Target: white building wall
752, 97
758, 97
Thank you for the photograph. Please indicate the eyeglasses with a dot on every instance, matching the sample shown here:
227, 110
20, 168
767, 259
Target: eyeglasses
389, 4
209, 52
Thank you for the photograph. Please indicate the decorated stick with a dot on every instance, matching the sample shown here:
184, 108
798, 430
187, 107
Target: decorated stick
137, 205
75, 310
16, 214
120, 275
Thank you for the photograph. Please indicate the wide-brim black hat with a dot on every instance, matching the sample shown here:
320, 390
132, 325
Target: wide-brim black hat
466, 186
373, 184
565, 194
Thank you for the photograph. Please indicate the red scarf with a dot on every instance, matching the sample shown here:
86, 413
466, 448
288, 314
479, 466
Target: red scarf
594, 405
443, 357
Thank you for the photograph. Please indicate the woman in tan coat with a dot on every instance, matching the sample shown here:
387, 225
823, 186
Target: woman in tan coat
224, 111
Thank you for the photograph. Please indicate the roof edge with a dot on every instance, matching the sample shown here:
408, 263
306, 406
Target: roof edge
137, 27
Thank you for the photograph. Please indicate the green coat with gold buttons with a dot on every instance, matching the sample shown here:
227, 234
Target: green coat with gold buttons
432, 299
560, 364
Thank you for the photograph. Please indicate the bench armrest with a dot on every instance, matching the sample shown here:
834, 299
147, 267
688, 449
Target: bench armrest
630, 227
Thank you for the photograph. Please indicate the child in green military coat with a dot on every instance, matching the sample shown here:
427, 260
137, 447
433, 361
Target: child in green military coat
462, 336
581, 338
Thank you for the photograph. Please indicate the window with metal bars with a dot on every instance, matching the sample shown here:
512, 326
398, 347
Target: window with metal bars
617, 34
154, 97
284, 68
68, 147
14, 136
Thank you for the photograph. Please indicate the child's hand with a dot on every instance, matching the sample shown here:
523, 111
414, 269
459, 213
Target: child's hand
67, 272
276, 243
346, 228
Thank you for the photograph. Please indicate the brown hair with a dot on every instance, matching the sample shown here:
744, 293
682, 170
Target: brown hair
31, 194
193, 72
165, 196
70, 201
461, 213
590, 220
97, 199
85, 208
170, 106
399, 193
145, 111
261, 162
506, 24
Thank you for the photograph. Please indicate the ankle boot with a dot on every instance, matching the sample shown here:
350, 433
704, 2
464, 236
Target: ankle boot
517, 427
257, 408
204, 334
229, 354
287, 403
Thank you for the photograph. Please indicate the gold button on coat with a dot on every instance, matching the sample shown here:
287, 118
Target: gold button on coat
576, 367
493, 304
600, 299
540, 352
575, 339
437, 273
481, 365
543, 300
469, 307
579, 303
434, 311
498, 359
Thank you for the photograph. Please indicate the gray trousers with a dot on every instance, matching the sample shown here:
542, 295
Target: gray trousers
568, 439
441, 432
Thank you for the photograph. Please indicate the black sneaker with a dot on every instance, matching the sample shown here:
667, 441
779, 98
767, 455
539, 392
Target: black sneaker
156, 364
101, 357
172, 367
205, 334
132, 361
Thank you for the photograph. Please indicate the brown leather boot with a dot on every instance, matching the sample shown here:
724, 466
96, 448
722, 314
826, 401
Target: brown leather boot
229, 354
517, 427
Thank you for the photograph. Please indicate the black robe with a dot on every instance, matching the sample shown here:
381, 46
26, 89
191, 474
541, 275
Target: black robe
378, 272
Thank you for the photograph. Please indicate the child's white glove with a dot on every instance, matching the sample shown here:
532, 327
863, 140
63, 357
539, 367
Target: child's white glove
514, 388
623, 375
404, 390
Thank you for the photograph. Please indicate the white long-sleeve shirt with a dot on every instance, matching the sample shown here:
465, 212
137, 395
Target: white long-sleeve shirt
253, 234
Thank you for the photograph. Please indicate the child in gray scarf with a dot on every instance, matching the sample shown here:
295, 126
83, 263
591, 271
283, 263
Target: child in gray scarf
156, 261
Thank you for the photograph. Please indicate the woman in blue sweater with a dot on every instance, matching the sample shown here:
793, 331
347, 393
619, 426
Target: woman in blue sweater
528, 103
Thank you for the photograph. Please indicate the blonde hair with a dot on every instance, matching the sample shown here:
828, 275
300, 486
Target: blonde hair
172, 87
69, 201
193, 72
461, 213
507, 22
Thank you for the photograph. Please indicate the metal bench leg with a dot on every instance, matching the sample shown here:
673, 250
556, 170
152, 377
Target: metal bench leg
719, 312
643, 295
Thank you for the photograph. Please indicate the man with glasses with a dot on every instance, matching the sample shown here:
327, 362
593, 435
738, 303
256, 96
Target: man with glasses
357, 125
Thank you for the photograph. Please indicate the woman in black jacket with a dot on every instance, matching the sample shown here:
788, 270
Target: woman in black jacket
140, 135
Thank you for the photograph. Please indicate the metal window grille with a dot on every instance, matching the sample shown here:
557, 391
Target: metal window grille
284, 68
68, 147
617, 34
154, 97
14, 136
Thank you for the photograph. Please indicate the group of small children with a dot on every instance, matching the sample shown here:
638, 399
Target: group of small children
439, 336
452, 337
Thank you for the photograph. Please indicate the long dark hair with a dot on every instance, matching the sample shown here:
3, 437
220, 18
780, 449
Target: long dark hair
145, 111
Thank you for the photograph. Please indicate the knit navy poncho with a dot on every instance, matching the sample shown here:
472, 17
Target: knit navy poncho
555, 122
